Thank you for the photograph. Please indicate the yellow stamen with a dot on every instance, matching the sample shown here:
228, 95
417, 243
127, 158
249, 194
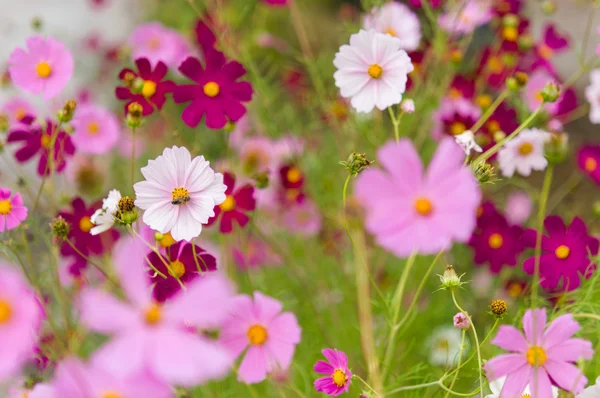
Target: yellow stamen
339, 377
423, 206
93, 128
43, 70
211, 89
257, 335
525, 148
177, 269
455, 93
493, 126
536, 356
111, 394
525, 396
5, 311
484, 100
590, 165
538, 96
45, 140
375, 71
154, 43
85, 224
20, 113
179, 196
562, 252
5, 207
457, 128
391, 32
293, 175
510, 33
228, 204
495, 241
149, 88
153, 314
515, 289
494, 64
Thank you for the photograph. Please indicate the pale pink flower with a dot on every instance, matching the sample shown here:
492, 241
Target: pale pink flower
592, 94
372, 71
179, 193
524, 153
518, 207
125, 143
408, 105
466, 16
269, 336
16, 109
155, 42
397, 20
40, 390
236, 137
532, 91
12, 210
303, 218
159, 338
96, 129
461, 321
46, 66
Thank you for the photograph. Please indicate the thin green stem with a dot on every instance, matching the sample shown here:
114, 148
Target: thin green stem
415, 387
366, 384
589, 316
132, 156
462, 346
540, 227
396, 123
490, 110
475, 353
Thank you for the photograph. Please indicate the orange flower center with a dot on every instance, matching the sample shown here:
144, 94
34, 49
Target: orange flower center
375, 71
93, 128
111, 394
590, 165
525, 148
293, 175
494, 64
20, 113
5, 311
562, 252
339, 377
493, 126
391, 32
495, 241
515, 289
177, 269
457, 128
5, 207
149, 88
85, 224
455, 93
153, 314
536, 356
545, 51
510, 33
484, 100
423, 206
180, 196
257, 335
211, 89
166, 240
43, 70
45, 140
228, 204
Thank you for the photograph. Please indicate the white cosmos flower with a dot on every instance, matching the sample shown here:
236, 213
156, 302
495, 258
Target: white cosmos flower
524, 153
397, 20
496, 387
179, 193
592, 94
591, 392
372, 71
104, 218
444, 345
467, 142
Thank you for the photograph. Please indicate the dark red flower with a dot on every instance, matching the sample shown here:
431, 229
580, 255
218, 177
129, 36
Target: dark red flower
503, 7
37, 139
182, 266
236, 204
276, 2
515, 288
552, 43
496, 66
502, 122
588, 160
462, 87
146, 86
416, 57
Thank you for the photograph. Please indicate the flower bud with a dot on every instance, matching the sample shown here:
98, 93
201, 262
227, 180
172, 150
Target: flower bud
229, 126
128, 217
456, 56
557, 148
485, 173
517, 82
261, 180
550, 92
60, 228
498, 307
510, 20
408, 105
65, 115
549, 7
450, 280
525, 42
356, 163
596, 208
134, 115
461, 321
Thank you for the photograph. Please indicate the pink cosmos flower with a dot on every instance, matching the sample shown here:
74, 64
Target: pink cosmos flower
532, 91
12, 211
303, 218
408, 209
157, 43
518, 207
397, 20
271, 336
159, 338
46, 66
40, 390
20, 321
338, 377
255, 253
465, 17
179, 193
454, 117
96, 129
16, 109
542, 355
461, 321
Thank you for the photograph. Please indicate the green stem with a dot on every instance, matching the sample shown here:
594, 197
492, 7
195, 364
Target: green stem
589, 316
540, 230
462, 345
396, 123
488, 113
366, 384
132, 156
481, 345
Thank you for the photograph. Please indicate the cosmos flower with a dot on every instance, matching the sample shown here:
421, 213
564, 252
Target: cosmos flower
465, 16
12, 210
552, 43
20, 321
497, 385
152, 86
254, 253
96, 129
454, 117
588, 160
524, 153
156, 43
40, 390
592, 94
565, 253
533, 89
462, 87
338, 377
237, 203
179, 193
156, 337
183, 268
269, 336
303, 218
104, 218
518, 207
541, 355
501, 123
38, 139
372, 78
16, 109
397, 20
496, 66
45, 67
408, 209
461, 321
215, 92
444, 346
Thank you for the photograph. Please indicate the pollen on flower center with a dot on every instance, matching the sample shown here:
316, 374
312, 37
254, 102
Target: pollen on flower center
562, 252
590, 165
85, 224
5, 311
211, 89
149, 88
525, 396
228, 204
43, 69
495, 241
375, 71
457, 128
5, 207
391, 32
510, 33
525, 148
177, 269
339, 377
111, 394
257, 335
93, 128
293, 175
180, 196
536, 356
153, 314
166, 240
423, 206
45, 140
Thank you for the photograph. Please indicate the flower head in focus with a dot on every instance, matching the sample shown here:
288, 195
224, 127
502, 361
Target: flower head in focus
104, 218
12, 210
338, 377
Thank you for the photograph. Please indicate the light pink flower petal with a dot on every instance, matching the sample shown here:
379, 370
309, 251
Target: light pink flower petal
253, 368
402, 161
186, 227
540, 384
104, 313
448, 157
566, 376
560, 330
503, 365
267, 308
125, 354
130, 266
510, 339
516, 381
571, 350
534, 323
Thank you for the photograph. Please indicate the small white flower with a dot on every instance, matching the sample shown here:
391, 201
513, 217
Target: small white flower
591, 392
444, 344
104, 218
524, 153
372, 71
467, 142
496, 387
592, 94
397, 20
408, 105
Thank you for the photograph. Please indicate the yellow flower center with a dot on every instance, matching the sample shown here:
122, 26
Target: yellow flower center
111, 394
20, 113
536, 356
545, 51
166, 240
457, 128
177, 269
525, 148
515, 289
154, 43
455, 93
495, 241
153, 314
494, 64
5, 311
43, 69
375, 71
293, 175
149, 88
45, 140
93, 128
562, 252
179, 196
5, 207
484, 100
493, 126
85, 224
391, 32
25, 394
339, 377
257, 335
510, 33
590, 165
211, 89
538, 96
228, 204
423, 206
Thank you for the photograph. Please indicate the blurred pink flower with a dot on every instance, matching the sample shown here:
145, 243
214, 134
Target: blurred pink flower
12, 210
157, 337
271, 336
236, 137
397, 20
303, 218
16, 109
518, 207
46, 66
125, 143
277, 2
408, 209
454, 117
254, 253
96, 129
267, 40
157, 43
466, 16
532, 91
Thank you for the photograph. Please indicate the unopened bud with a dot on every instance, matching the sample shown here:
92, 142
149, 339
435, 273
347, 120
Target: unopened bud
37, 24
485, 173
261, 180
65, 115
128, 217
557, 148
596, 208
128, 79
517, 82
137, 85
510, 20
525, 42
499, 135
498, 307
456, 56
60, 227
549, 7
356, 163
461, 321
134, 114
408, 105
550, 92
229, 126
450, 280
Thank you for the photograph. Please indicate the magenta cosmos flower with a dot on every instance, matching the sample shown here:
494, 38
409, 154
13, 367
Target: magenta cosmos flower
409, 209
46, 66
20, 321
152, 87
542, 357
37, 139
588, 160
216, 93
237, 203
159, 338
179, 193
565, 253
183, 268
338, 376
96, 129
270, 336
12, 211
